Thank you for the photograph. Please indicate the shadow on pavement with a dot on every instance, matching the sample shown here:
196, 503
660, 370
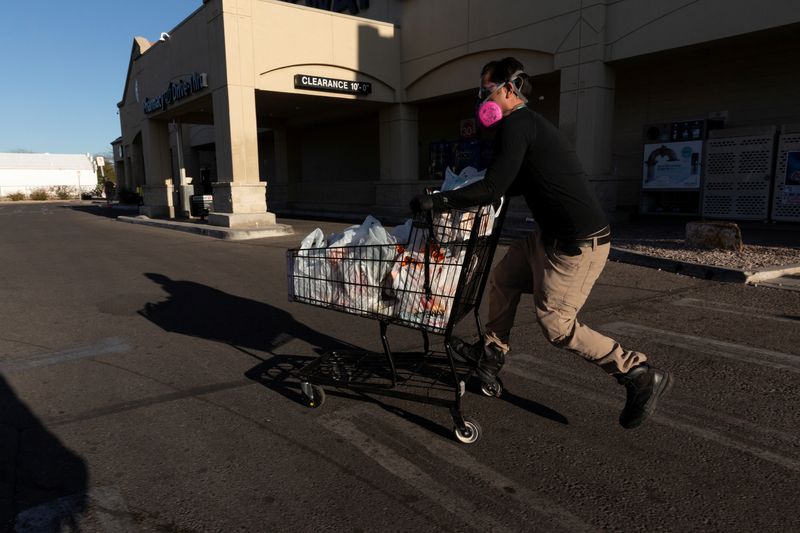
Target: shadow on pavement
98, 210
247, 325
200, 311
43, 484
533, 407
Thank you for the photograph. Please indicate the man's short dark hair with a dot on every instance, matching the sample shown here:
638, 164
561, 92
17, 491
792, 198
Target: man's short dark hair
500, 71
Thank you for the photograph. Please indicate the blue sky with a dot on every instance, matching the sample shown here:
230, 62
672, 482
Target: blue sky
63, 66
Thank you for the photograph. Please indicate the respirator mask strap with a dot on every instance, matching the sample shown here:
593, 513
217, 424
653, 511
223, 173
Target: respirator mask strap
518, 90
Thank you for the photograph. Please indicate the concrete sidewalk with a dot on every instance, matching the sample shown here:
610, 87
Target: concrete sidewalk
753, 233
204, 228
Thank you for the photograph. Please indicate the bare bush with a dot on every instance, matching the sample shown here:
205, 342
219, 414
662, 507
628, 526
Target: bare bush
39, 194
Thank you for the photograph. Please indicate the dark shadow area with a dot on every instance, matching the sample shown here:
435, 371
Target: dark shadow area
277, 372
200, 311
101, 210
533, 407
247, 325
36, 469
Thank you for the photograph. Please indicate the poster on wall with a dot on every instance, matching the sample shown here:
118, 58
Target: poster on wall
791, 187
672, 165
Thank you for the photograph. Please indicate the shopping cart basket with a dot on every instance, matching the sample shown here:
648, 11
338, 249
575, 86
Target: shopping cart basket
429, 283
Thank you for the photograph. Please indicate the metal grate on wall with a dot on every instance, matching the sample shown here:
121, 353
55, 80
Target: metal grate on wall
785, 201
738, 173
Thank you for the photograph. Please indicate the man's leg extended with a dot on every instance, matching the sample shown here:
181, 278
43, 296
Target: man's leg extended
567, 282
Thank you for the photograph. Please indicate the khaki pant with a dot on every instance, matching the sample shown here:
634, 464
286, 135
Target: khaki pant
560, 284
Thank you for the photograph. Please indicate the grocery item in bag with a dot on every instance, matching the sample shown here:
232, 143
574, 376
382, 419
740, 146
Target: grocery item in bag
364, 263
415, 304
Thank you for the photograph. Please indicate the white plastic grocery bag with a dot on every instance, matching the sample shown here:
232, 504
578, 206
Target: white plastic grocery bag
468, 175
312, 270
413, 303
365, 262
454, 226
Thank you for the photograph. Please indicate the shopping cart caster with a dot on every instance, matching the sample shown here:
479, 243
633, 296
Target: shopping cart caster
471, 432
313, 395
494, 389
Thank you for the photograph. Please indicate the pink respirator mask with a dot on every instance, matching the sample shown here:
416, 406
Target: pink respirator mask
489, 112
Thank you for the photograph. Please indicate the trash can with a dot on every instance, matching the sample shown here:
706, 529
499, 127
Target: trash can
201, 204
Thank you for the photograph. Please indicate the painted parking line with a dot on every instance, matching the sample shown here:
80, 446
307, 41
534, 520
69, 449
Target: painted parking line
344, 423
701, 423
105, 346
728, 350
734, 309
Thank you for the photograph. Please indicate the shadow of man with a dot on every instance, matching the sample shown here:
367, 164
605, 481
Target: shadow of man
200, 311
43, 484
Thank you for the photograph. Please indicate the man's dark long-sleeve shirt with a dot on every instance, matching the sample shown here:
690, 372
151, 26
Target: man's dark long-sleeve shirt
531, 158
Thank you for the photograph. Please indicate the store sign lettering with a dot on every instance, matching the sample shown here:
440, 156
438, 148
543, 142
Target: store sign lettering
176, 91
317, 83
352, 7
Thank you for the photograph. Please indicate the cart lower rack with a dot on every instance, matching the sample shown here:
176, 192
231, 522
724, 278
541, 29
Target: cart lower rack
429, 284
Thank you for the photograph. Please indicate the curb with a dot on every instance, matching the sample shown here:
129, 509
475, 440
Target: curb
218, 232
709, 272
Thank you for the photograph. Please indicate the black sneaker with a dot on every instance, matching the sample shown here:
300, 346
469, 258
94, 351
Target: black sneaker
645, 385
466, 352
488, 357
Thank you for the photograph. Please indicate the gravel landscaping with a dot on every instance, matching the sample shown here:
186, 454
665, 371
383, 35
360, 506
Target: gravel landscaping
775, 248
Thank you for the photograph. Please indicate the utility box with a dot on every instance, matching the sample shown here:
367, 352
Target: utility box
201, 205
738, 173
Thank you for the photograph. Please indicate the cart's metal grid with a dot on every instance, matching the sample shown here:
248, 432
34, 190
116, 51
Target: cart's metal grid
429, 284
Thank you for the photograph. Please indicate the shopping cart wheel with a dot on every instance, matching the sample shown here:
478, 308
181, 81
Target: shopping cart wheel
492, 389
314, 395
470, 434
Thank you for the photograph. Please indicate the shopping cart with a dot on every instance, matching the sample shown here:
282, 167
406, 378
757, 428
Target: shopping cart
429, 283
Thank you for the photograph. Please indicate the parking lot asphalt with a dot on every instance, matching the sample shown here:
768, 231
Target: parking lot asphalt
148, 384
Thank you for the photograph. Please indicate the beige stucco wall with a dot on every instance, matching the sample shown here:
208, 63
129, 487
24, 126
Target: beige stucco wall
290, 39
416, 51
637, 27
750, 78
185, 52
445, 43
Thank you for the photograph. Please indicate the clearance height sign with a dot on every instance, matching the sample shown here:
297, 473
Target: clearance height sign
332, 85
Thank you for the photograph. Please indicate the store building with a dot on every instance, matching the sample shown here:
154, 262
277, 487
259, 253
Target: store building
351, 107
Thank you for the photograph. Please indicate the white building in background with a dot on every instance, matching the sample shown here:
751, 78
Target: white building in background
26, 172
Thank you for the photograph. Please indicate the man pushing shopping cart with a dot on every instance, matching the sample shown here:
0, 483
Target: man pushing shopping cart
559, 261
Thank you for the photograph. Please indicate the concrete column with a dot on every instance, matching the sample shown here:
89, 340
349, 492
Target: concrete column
399, 158
239, 197
586, 116
190, 162
586, 109
122, 179
136, 160
158, 188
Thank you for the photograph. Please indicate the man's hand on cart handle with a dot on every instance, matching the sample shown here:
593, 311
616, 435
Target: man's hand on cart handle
421, 203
